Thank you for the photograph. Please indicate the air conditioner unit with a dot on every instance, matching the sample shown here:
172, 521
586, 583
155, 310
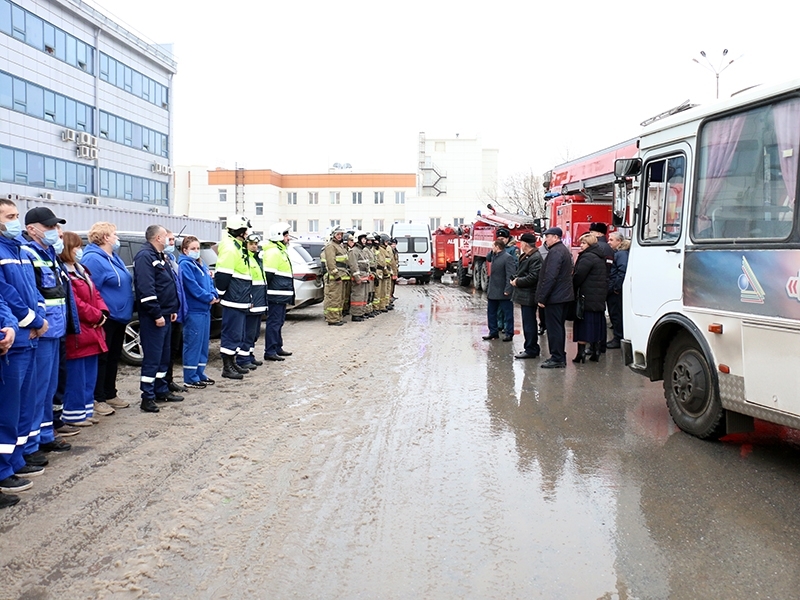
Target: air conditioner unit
12, 197
68, 135
155, 167
93, 141
91, 200
46, 196
93, 154
153, 209
84, 138
83, 152
169, 171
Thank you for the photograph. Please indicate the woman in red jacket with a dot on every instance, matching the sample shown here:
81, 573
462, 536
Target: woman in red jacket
84, 347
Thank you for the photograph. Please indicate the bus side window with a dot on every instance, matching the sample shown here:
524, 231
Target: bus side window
663, 202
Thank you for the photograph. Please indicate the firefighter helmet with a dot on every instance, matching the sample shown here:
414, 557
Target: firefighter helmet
236, 222
278, 230
360, 234
348, 237
384, 238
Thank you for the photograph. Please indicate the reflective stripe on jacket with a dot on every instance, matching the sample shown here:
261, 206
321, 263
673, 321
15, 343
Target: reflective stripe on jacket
278, 270
232, 276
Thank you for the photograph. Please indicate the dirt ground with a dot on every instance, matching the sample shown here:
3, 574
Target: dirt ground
404, 457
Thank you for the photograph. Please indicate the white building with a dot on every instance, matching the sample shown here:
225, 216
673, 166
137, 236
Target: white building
449, 188
85, 105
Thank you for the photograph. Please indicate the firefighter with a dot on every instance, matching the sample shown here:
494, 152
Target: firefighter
395, 270
372, 310
384, 257
348, 241
258, 304
233, 281
334, 256
157, 293
359, 269
280, 289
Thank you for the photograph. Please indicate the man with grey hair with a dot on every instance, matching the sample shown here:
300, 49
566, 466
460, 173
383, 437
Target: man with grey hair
620, 246
157, 294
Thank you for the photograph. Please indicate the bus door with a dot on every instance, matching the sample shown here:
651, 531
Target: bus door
657, 278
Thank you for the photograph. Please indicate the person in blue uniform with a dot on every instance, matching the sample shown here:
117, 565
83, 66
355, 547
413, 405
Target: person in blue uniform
280, 289
258, 303
157, 294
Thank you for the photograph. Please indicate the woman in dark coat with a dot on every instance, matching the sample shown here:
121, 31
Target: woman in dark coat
590, 281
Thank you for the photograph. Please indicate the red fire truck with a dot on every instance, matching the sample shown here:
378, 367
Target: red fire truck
477, 240
581, 191
447, 242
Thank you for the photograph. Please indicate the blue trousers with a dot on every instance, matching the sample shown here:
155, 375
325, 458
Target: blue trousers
276, 315
17, 371
508, 312
79, 394
233, 337
555, 315
529, 329
156, 350
253, 332
47, 356
196, 334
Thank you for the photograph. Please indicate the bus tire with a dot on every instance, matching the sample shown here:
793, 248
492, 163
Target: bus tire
690, 390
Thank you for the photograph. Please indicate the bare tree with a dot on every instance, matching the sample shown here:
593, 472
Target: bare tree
524, 193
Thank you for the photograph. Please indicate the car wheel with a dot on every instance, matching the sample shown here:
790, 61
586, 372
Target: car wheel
690, 391
132, 345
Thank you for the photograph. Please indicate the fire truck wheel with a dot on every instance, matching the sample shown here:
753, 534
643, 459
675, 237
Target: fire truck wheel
463, 278
690, 390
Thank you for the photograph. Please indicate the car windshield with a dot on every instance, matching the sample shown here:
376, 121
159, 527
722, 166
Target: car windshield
303, 252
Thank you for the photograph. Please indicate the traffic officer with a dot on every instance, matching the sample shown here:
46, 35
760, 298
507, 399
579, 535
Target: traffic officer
280, 289
233, 281
155, 289
359, 272
17, 384
38, 241
258, 303
334, 255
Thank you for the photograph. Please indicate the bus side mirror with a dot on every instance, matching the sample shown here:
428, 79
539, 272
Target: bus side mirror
622, 214
537, 225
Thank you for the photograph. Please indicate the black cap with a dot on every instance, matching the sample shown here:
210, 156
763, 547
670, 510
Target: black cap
599, 228
43, 215
503, 232
554, 231
528, 238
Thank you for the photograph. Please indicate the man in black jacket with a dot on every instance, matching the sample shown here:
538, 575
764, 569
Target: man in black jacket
554, 292
157, 294
524, 294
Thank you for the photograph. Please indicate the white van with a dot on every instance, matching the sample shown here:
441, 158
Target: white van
415, 253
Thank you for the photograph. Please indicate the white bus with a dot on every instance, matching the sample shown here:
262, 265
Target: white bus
711, 298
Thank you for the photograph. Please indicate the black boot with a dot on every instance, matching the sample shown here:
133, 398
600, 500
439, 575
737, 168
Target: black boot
580, 357
228, 369
595, 352
149, 405
239, 368
253, 360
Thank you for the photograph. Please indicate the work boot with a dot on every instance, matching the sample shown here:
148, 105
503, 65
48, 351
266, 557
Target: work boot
253, 360
149, 405
239, 368
228, 369
355, 318
248, 366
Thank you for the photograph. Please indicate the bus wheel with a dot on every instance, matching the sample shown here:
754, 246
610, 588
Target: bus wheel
689, 390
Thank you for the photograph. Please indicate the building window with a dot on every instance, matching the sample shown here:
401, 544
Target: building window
357, 223
313, 197
435, 222
129, 187
224, 222
378, 197
378, 224
399, 197
125, 78
335, 223
356, 197
335, 198
29, 168
458, 221
313, 225
291, 197
132, 134
223, 195
293, 223
259, 209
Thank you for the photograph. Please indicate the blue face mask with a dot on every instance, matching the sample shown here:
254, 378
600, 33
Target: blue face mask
50, 237
115, 245
195, 254
59, 246
170, 249
13, 229
78, 254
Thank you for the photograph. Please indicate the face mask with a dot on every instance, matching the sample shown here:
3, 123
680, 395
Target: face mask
115, 245
78, 254
59, 246
195, 254
13, 229
169, 249
50, 237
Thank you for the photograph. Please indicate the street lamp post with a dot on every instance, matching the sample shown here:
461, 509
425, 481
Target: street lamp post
716, 70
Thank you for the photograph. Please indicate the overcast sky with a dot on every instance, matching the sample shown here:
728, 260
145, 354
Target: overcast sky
296, 86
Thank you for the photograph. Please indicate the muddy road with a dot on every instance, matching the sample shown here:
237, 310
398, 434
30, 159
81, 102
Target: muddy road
403, 457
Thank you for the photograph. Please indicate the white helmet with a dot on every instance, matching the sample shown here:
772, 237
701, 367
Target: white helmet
235, 222
277, 231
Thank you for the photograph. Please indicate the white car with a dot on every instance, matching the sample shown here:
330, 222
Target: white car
307, 274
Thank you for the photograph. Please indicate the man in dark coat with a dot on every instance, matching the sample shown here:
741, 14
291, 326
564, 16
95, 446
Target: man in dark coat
524, 294
620, 246
600, 231
499, 293
554, 292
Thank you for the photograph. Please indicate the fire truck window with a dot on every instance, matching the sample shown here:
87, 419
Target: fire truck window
747, 174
